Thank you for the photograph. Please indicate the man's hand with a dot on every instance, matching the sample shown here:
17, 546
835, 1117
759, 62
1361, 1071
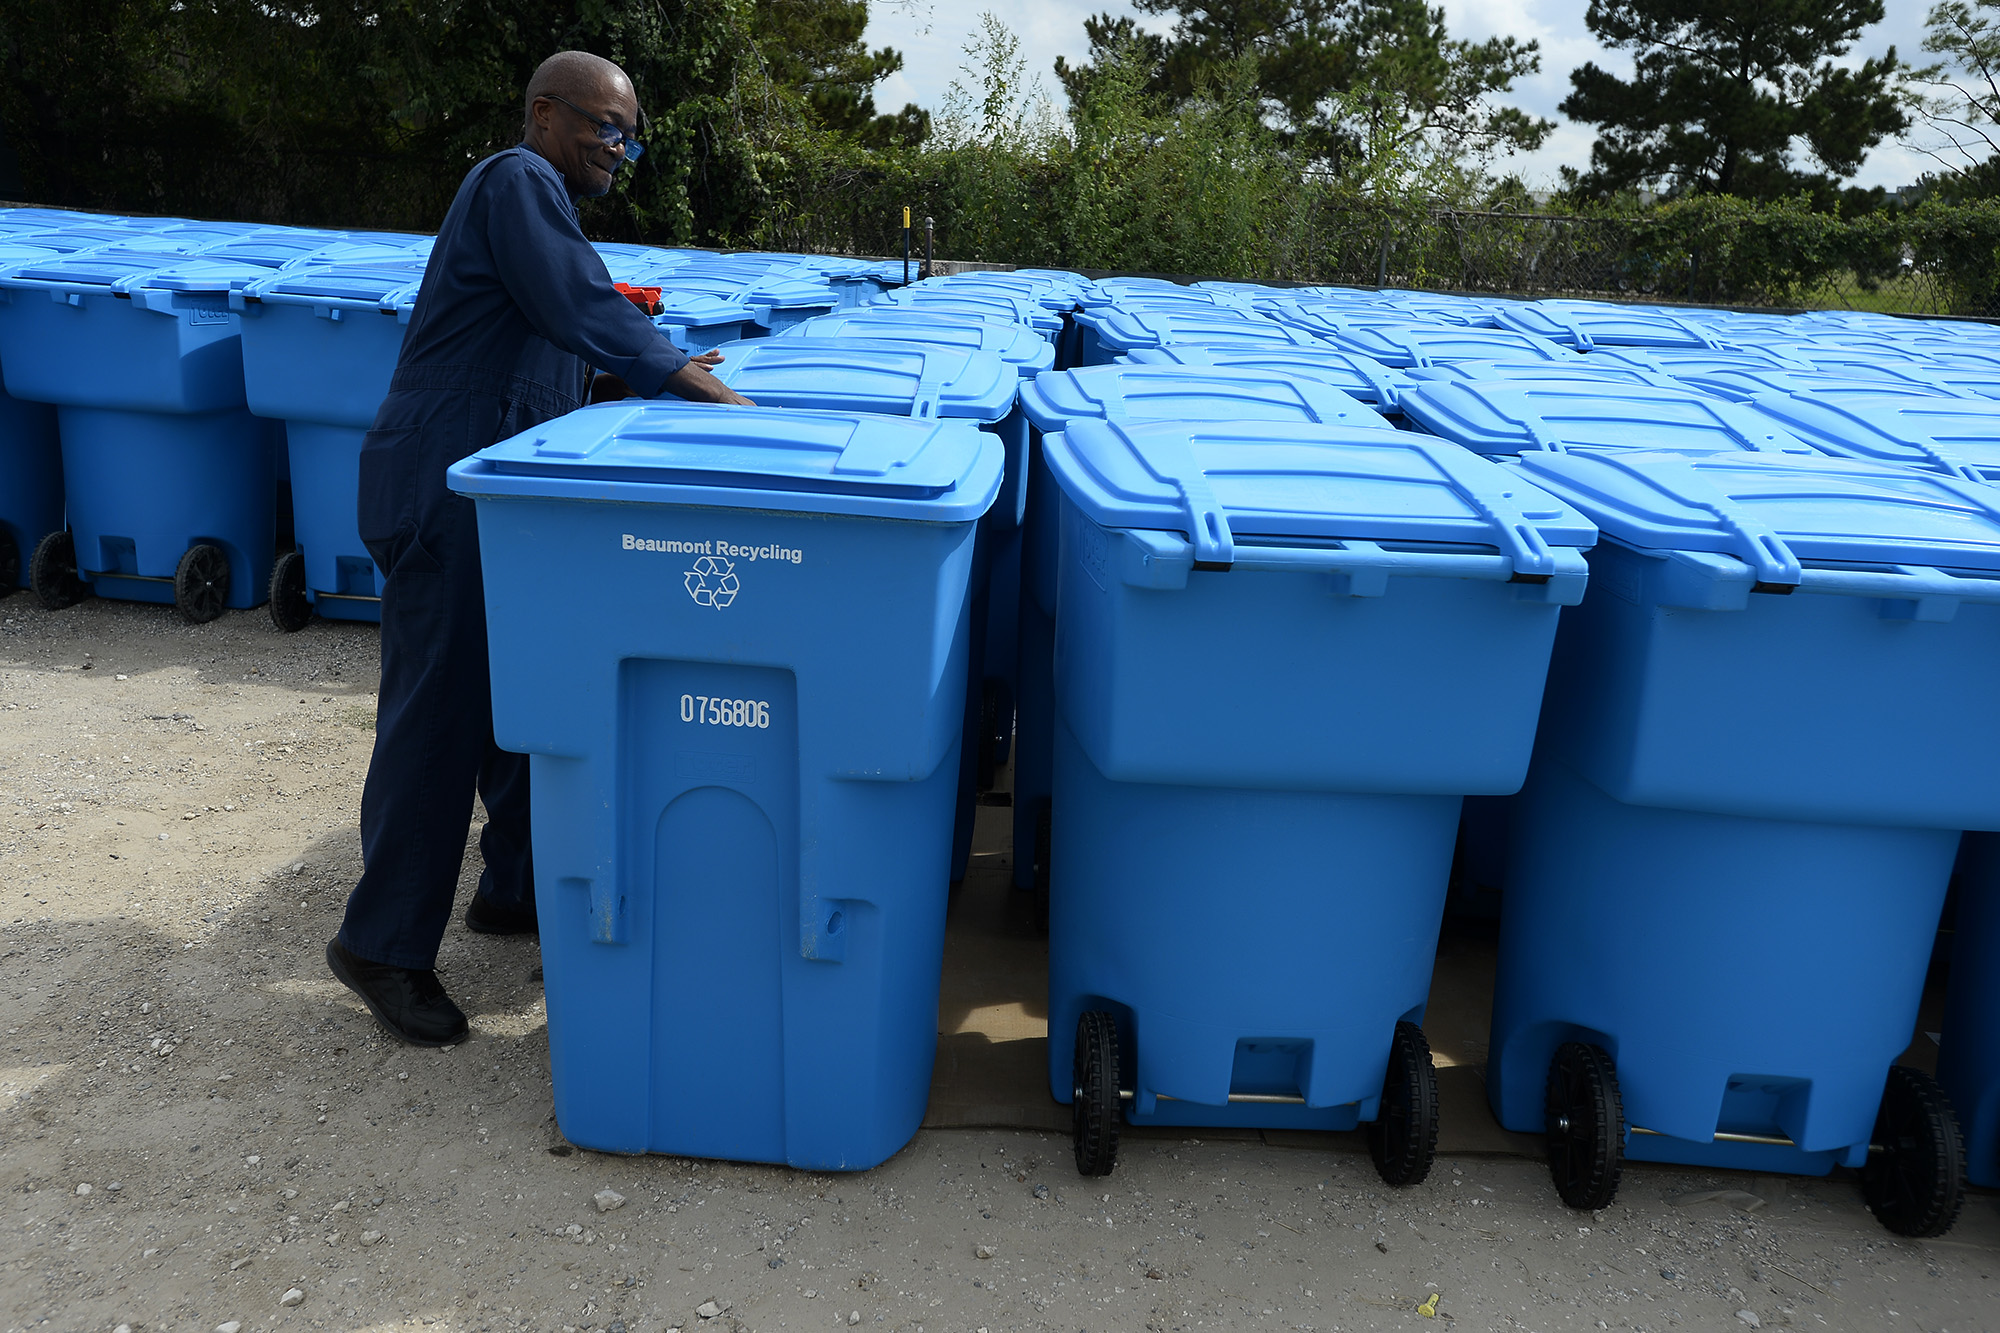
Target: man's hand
608, 388
711, 358
693, 382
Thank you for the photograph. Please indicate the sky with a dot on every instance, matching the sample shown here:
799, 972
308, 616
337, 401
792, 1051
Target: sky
932, 34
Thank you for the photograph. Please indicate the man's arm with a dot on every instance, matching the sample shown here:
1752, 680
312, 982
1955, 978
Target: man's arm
562, 287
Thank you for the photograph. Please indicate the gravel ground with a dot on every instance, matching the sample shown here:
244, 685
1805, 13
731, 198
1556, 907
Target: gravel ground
199, 1129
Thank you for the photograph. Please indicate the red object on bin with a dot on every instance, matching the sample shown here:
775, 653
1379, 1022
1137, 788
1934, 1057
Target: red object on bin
646, 298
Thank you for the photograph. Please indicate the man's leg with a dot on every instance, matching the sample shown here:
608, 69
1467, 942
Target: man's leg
505, 903
432, 736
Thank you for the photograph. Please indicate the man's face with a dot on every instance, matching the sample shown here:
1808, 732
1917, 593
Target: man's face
571, 140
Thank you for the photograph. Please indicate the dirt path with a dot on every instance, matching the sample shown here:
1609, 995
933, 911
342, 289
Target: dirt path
196, 1120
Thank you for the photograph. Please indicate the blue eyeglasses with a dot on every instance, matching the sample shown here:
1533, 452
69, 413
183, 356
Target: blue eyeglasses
612, 136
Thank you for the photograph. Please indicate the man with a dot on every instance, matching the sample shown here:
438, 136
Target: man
515, 313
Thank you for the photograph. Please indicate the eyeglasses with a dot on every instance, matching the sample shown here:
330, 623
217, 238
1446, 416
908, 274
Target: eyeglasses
612, 136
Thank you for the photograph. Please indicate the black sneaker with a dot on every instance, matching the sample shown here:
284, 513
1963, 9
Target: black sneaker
408, 1001
490, 918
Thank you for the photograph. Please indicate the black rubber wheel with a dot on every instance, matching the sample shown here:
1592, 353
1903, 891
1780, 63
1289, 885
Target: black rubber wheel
1914, 1182
10, 563
1586, 1123
201, 583
1094, 1108
290, 611
52, 572
1404, 1136
1043, 841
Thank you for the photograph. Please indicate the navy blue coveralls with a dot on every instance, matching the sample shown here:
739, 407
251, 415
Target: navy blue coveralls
515, 310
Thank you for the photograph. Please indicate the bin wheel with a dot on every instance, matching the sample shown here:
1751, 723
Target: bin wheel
1044, 839
1403, 1138
290, 610
1914, 1182
201, 583
10, 563
1094, 1108
52, 572
1586, 1124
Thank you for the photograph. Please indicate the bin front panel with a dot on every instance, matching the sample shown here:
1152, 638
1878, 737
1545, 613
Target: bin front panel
326, 363
1495, 415
1207, 916
1336, 580
143, 487
1748, 975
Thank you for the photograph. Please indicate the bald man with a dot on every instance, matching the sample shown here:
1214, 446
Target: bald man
515, 316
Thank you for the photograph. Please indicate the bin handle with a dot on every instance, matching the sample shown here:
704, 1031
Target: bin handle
1915, 592
1369, 566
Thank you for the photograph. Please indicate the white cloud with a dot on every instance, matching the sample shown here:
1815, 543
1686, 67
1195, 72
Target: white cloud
932, 35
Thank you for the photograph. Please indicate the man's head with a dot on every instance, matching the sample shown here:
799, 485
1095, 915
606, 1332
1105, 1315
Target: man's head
572, 96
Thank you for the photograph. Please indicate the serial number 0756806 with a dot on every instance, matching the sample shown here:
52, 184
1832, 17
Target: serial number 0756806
700, 709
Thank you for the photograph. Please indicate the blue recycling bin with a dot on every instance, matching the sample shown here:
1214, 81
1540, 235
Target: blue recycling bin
1729, 860
1127, 393
734, 642
857, 375
319, 348
1209, 843
168, 480
1968, 1066
776, 300
1017, 344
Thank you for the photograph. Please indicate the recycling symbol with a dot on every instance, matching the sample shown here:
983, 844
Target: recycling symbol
712, 582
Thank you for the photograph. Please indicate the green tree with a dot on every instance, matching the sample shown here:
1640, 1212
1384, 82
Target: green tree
1721, 90
815, 47
1376, 91
1963, 110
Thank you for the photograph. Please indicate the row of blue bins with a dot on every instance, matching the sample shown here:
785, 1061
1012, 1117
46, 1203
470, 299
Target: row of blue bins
1293, 610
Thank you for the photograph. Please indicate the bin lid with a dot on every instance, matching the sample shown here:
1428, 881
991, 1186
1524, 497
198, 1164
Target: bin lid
700, 309
1744, 384
1957, 436
993, 304
1131, 392
1776, 512
1048, 293
1229, 482
1588, 326
1584, 368
1016, 344
1431, 345
274, 250
1357, 376
744, 288
862, 375
121, 273
1123, 330
1491, 417
384, 286
796, 459
1677, 362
